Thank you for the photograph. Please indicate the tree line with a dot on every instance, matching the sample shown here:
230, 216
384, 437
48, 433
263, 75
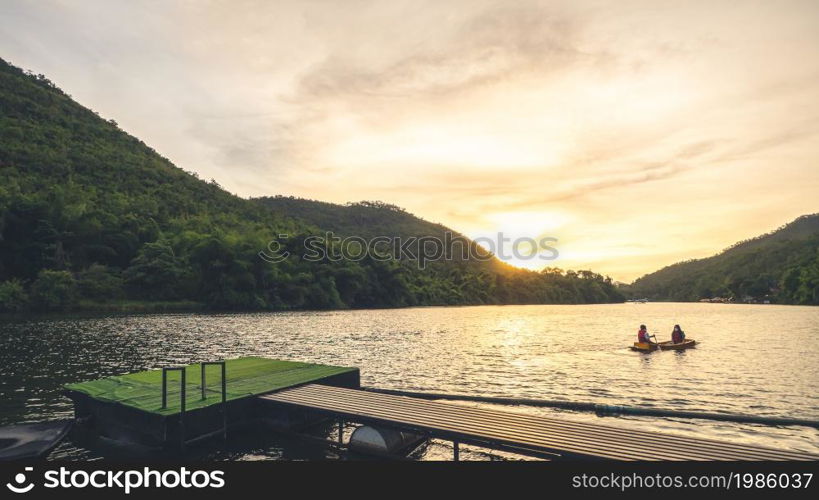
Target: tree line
777, 267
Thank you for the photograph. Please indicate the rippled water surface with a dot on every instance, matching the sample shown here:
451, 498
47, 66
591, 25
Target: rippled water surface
754, 359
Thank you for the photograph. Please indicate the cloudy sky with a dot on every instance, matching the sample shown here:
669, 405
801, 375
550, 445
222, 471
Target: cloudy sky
638, 133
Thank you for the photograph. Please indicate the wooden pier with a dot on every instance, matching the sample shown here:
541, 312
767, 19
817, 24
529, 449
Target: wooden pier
177, 406
519, 433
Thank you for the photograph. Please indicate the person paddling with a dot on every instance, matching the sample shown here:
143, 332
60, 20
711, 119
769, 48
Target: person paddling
643, 336
677, 335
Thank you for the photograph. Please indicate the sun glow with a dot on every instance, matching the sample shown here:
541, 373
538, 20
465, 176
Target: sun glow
521, 238
531, 224
433, 146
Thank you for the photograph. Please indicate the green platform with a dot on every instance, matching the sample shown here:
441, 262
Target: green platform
245, 377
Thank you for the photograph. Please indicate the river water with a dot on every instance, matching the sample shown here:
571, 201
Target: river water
752, 359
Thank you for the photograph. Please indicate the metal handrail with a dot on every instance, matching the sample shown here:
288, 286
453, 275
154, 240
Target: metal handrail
165, 371
224, 391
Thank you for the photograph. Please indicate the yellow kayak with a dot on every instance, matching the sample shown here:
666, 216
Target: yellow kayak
644, 346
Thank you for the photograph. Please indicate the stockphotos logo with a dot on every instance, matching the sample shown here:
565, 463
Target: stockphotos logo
22, 485
126, 480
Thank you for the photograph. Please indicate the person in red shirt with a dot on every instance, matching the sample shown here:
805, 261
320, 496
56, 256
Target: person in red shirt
643, 336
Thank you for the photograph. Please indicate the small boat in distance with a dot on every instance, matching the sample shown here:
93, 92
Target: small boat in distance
636, 301
664, 346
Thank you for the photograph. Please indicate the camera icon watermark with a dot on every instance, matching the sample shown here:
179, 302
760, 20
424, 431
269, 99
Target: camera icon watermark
21, 486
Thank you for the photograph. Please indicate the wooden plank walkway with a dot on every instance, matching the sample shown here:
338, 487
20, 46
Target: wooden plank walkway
525, 434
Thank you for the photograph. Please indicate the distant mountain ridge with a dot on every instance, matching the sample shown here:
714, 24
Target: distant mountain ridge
366, 218
780, 266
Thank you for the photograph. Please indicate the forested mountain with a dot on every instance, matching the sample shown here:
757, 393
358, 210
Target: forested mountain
373, 219
366, 219
90, 215
781, 266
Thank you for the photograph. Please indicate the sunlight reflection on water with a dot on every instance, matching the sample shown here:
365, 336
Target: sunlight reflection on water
578, 353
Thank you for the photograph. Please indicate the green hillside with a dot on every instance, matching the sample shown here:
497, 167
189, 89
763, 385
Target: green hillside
373, 219
781, 266
92, 217
366, 219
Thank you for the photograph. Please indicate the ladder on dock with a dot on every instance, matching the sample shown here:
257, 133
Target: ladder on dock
510, 431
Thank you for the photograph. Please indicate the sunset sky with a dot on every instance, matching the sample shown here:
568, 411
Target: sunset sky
638, 133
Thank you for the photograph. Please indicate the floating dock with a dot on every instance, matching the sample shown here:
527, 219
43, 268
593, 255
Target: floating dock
166, 407
176, 406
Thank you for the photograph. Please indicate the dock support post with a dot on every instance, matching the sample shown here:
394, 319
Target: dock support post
341, 431
456, 451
